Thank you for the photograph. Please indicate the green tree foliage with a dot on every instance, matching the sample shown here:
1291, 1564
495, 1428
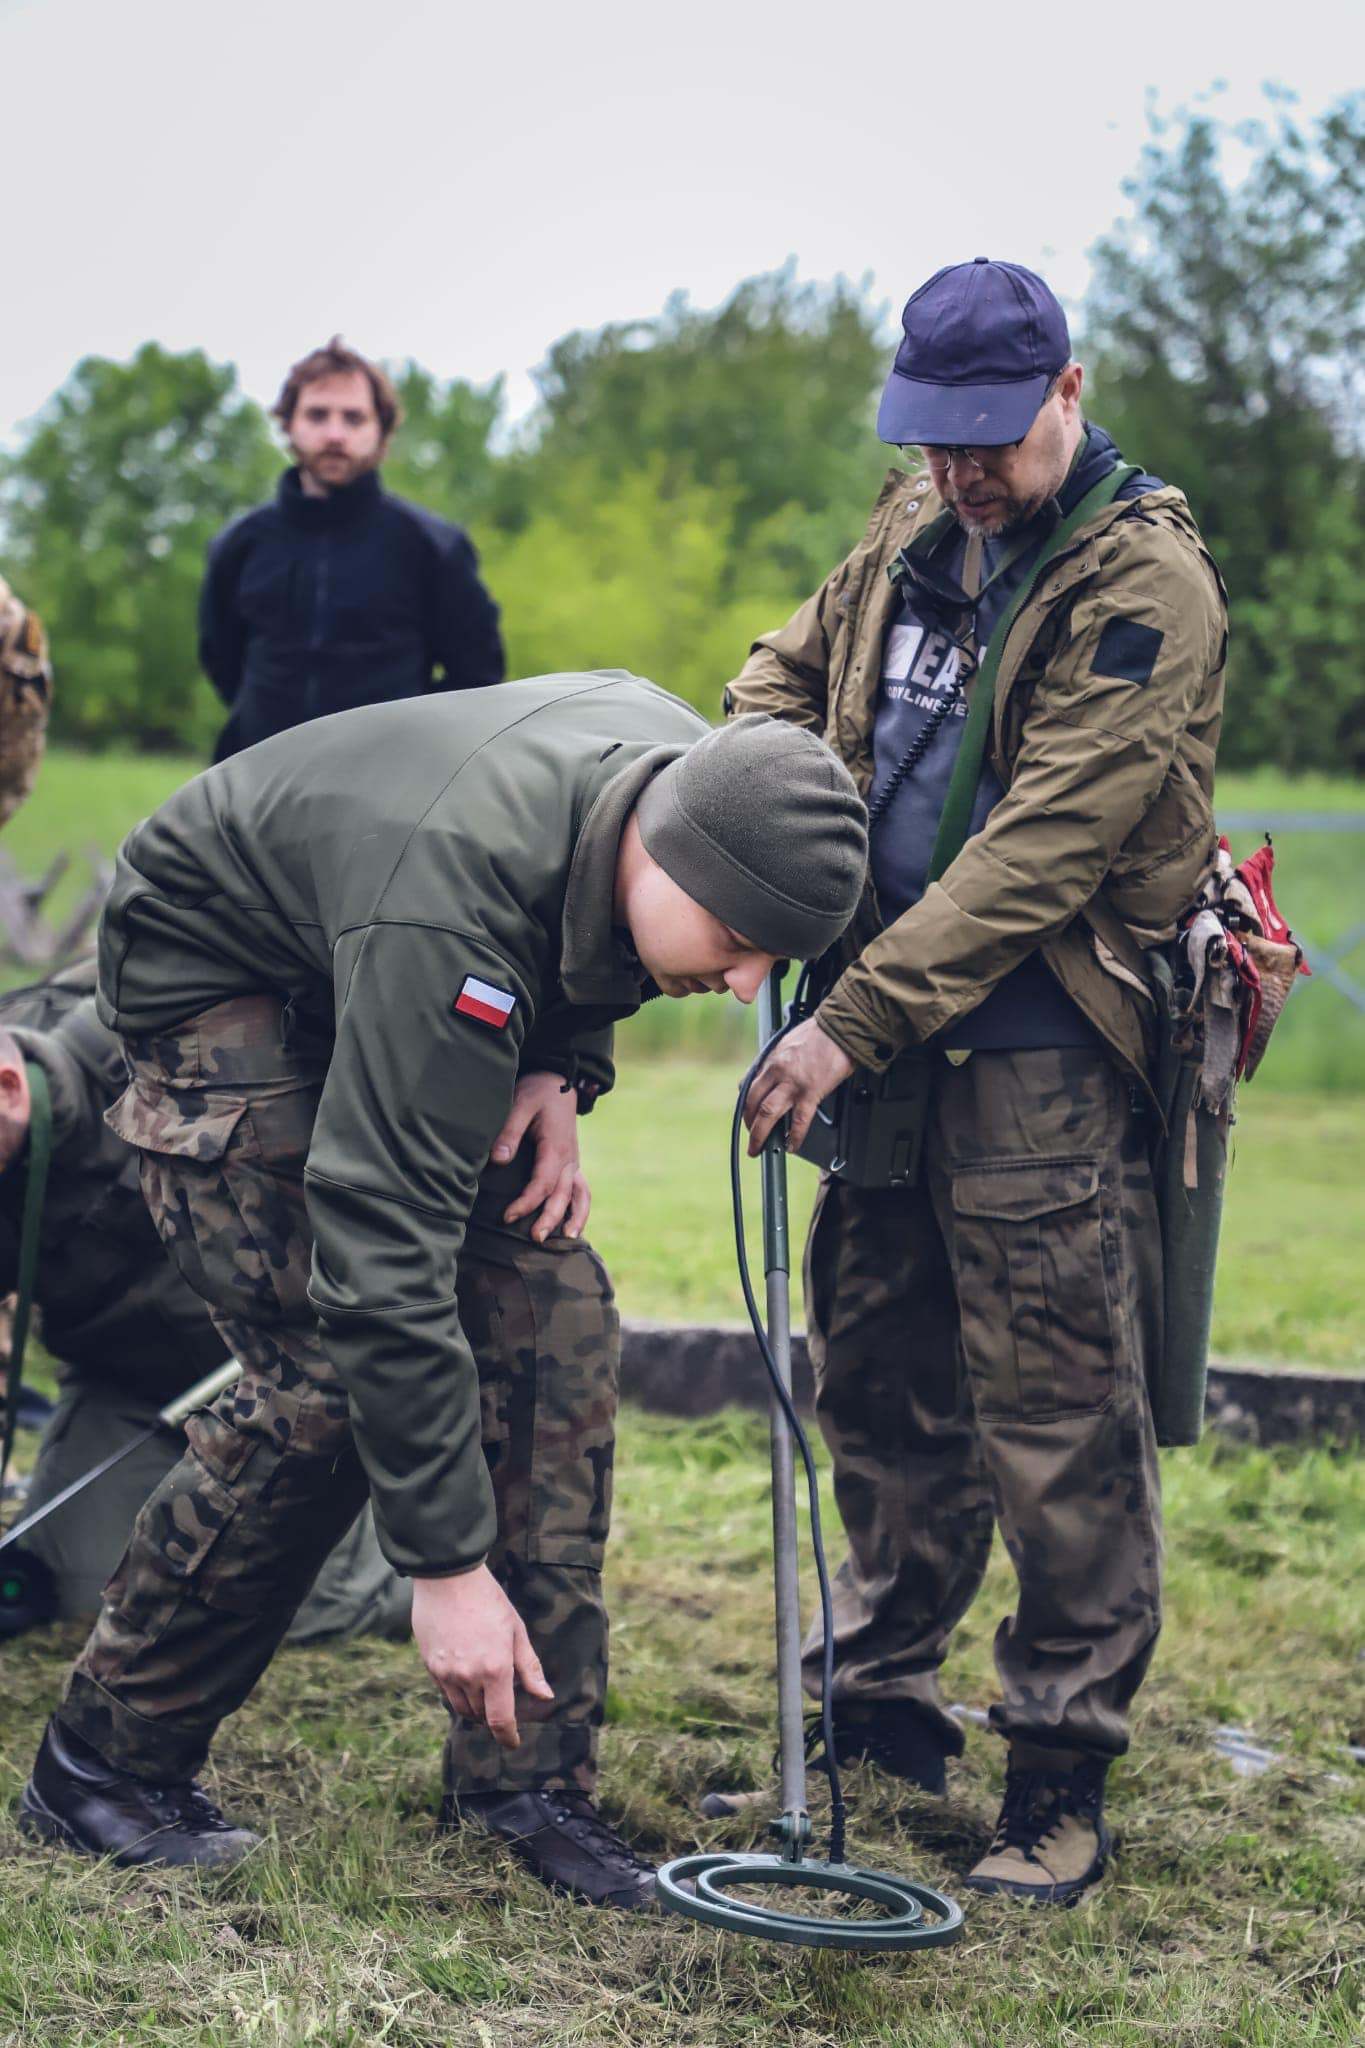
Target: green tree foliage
639, 576
682, 485
686, 481
1225, 324
767, 401
442, 455
108, 507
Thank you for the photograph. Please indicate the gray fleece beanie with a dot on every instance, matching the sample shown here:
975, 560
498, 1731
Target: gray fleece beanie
762, 825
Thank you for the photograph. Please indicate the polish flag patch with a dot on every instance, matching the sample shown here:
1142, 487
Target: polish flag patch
480, 999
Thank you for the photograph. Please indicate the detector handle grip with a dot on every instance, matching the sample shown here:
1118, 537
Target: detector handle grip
201, 1395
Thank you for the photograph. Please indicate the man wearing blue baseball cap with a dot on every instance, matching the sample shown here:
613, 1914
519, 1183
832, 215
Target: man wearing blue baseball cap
1022, 664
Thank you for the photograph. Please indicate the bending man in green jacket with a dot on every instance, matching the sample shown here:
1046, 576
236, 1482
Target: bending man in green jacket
347, 965
982, 1337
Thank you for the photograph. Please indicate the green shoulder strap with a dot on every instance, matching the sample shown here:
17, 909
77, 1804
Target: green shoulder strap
35, 1187
957, 804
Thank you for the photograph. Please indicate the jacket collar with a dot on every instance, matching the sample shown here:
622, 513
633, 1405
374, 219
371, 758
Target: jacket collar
597, 965
338, 508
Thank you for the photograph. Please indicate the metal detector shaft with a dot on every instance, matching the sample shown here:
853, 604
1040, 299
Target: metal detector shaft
867, 1909
200, 1395
795, 1824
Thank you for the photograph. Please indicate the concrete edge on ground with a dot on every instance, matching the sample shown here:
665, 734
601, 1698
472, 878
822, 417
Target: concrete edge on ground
696, 1368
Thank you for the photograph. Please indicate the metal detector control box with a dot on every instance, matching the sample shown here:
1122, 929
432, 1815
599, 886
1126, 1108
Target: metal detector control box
870, 1131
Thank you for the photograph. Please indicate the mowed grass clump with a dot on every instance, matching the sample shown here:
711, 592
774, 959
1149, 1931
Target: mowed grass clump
1234, 1915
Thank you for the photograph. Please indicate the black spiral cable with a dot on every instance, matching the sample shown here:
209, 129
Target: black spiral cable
788, 1407
914, 753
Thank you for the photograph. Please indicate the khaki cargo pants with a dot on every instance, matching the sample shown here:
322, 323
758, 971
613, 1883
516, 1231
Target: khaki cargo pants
980, 1345
226, 1548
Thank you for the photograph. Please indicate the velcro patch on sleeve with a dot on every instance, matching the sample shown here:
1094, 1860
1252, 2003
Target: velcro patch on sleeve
1128, 651
481, 1000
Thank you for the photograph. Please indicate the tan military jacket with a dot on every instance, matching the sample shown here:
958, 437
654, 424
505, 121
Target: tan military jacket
25, 694
1107, 820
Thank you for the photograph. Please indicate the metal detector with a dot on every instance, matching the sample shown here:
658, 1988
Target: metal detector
733, 1890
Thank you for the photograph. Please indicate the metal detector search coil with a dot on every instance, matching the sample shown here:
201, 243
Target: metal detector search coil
715, 1879
709, 1886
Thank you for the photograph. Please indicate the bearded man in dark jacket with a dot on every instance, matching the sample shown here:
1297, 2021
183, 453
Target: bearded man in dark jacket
337, 594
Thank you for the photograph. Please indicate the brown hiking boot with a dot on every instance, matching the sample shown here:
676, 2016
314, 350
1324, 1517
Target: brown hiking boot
1051, 1843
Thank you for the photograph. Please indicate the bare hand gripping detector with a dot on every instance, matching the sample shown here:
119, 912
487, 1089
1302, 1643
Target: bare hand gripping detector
867, 1909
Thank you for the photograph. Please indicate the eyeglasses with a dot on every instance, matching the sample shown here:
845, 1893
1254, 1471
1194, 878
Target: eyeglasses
941, 455
984, 459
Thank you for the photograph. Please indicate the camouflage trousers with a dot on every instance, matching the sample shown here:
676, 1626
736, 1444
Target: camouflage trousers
980, 1344
225, 1549
357, 1591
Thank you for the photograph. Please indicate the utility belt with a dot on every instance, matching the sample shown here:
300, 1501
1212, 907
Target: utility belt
1219, 988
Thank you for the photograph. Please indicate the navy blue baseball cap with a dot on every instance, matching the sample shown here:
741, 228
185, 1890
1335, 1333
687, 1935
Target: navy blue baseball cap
982, 343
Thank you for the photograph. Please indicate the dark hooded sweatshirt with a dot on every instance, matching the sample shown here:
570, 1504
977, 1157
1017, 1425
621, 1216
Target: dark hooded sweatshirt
919, 664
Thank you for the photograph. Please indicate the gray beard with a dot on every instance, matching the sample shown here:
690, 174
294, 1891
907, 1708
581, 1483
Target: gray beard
1014, 519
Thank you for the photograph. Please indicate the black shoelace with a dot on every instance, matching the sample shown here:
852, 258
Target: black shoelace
187, 1802
1034, 1803
576, 1809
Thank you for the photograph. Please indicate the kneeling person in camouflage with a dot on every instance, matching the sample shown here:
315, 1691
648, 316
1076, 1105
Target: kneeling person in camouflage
128, 1334
350, 966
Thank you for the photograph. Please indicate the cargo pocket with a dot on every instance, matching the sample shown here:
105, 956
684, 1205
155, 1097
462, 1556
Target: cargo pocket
188, 1125
184, 1138
181, 1526
1033, 1287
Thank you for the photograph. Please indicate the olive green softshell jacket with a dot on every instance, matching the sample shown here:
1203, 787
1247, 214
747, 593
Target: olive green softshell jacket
1107, 821
367, 865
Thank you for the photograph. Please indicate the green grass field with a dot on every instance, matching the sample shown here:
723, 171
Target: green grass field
86, 801
1289, 1267
1233, 1919
1289, 1274
1235, 1916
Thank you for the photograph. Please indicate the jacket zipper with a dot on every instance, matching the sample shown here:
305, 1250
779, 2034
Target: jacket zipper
320, 590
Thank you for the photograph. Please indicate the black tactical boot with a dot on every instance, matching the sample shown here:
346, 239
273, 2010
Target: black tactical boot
563, 1838
892, 1734
76, 1799
1051, 1844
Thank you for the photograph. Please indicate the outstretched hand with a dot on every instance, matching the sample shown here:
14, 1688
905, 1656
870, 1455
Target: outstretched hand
545, 1109
475, 1645
794, 1080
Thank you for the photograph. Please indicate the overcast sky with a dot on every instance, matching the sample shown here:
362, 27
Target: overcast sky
463, 183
